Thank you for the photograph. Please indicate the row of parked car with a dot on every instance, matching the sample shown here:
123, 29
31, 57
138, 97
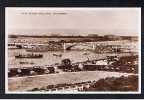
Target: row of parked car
127, 64
37, 70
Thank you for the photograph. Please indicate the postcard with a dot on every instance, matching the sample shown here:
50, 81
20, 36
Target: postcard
73, 50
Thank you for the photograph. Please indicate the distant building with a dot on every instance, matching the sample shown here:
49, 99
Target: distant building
93, 35
114, 37
55, 34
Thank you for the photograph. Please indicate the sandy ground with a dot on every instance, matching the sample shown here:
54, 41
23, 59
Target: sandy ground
30, 82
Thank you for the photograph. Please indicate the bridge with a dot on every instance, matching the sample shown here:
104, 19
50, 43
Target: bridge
83, 45
93, 45
87, 45
66, 46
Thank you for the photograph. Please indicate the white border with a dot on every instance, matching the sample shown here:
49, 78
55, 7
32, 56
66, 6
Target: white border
73, 8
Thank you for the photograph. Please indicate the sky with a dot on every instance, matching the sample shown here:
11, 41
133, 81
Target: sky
73, 21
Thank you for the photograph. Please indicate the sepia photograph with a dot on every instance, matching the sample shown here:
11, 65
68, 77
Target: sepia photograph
72, 50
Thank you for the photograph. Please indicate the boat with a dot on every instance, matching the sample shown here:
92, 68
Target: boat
29, 56
57, 55
43, 48
37, 49
13, 46
85, 53
26, 62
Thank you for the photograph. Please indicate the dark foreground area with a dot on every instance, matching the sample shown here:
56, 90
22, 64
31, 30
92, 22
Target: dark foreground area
122, 83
